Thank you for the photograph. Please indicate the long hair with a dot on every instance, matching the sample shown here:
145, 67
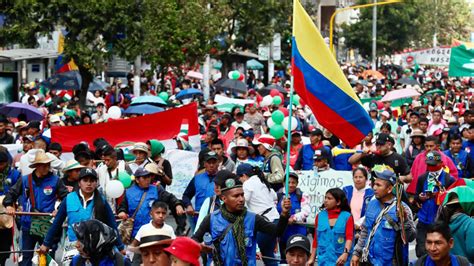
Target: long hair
258, 172
100, 212
340, 196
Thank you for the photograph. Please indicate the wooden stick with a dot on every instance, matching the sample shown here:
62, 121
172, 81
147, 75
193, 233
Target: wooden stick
29, 213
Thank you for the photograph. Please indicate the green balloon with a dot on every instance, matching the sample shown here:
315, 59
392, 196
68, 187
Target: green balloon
125, 178
277, 131
235, 74
296, 99
277, 100
164, 96
278, 117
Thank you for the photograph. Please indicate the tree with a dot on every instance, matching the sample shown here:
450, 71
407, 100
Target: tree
410, 24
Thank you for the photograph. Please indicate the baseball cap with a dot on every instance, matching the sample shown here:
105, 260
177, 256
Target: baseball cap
248, 134
210, 155
382, 138
298, 241
320, 154
316, 132
231, 183
268, 141
433, 158
141, 172
244, 169
54, 119
85, 172
385, 174
34, 124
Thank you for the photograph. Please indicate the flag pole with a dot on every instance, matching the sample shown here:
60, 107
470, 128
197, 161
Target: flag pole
288, 145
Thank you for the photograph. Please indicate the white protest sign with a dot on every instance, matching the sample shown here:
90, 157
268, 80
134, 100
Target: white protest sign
315, 187
432, 56
223, 100
184, 165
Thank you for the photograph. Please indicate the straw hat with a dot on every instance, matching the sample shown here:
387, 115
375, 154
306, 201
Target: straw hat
71, 165
153, 237
140, 146
152, 168
40, 158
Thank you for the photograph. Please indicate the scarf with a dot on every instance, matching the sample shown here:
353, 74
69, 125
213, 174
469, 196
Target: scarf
237, 231
3, 177
430, 262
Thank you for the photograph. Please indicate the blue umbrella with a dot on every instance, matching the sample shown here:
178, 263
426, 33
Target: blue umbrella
143, 109
189, 93
153, 100
254, 64
98, 85
15, 108
70, 80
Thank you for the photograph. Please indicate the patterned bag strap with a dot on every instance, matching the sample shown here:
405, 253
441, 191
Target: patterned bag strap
32, 193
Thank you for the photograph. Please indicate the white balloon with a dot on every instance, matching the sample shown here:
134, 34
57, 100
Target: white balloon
114, 112
266, 101
294, 123
229, 75
270, 122
114, 189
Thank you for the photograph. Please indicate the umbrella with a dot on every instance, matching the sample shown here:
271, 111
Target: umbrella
265, 91
399, 94
15, 108
408, 81
189, 93
153, 100
254, 65
195, 75
435, 91
373, 73
227, 107
231, 84
98, 85
143, 109
70, 80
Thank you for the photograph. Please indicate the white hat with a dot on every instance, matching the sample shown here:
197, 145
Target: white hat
54, 119
242, 143
268, 141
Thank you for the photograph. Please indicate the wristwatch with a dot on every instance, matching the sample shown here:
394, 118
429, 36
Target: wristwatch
345, 251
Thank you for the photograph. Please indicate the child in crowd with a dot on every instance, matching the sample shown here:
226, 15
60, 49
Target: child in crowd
300, 210
334, 231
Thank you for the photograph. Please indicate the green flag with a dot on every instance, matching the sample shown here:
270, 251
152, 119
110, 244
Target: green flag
461, 62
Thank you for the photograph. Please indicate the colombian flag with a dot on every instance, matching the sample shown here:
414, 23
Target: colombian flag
320, 82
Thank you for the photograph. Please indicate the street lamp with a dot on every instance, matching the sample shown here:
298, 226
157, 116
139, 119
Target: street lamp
331, 21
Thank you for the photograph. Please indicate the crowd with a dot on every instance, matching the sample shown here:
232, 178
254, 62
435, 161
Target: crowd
411, 180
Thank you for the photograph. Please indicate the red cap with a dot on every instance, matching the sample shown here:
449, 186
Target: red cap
185, 249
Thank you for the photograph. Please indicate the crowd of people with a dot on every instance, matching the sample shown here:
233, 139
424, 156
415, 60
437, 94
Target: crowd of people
236, 209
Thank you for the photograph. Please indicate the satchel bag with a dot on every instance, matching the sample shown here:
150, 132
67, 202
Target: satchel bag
39, 224
126, 227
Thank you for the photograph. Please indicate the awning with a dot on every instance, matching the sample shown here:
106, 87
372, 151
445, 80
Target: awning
25, 54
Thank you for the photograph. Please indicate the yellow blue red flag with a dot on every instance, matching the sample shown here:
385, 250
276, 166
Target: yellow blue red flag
320, 82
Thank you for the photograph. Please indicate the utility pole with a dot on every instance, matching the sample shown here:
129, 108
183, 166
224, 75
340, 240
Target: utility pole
374, 38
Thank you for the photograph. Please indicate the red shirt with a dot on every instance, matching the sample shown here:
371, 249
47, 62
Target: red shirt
334, 214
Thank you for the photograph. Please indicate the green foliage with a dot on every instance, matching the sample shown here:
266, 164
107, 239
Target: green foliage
410, 24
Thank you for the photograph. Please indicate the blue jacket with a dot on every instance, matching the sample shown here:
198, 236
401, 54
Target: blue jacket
12, 177
305, 159
468, 146
368, 194
331, 241
133, 196
76, 213
429, 208
200, 187
45, 197
103, 262
228, 247
293, 229
460, 162
382, 245
341, 161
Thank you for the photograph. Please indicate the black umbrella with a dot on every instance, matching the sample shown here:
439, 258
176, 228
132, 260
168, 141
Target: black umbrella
231, 84
265, 91
408, 81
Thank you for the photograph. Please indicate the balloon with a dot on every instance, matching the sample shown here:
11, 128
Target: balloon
296, 99
114, 112
294, 123
270, 122
125, 179
277, 131
278, 117
235, 74
274, 92
266, 101
281, 96
277, 100
114, 189
284, 111
229, 75
241, 77
164, 96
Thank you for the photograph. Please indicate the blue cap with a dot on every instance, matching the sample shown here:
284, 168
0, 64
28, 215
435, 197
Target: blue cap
244, 169
387, 175
141, 172
248, 134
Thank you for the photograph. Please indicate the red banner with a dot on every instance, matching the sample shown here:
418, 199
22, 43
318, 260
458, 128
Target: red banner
160, 126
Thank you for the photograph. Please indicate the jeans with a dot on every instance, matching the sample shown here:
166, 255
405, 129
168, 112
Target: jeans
28, 243
6, 236
266, 244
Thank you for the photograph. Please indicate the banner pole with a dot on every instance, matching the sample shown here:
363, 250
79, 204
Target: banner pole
288, 145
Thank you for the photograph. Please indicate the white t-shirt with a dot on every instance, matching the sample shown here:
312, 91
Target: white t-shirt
258, 199
150, 226
406, 136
